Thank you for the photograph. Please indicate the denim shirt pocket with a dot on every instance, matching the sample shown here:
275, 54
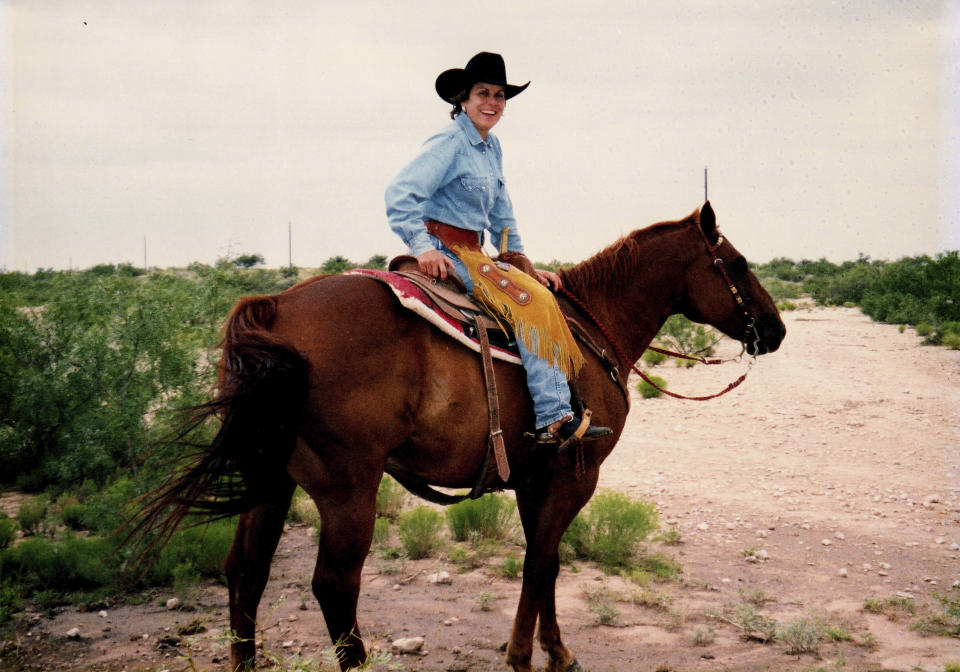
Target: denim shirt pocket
477, 192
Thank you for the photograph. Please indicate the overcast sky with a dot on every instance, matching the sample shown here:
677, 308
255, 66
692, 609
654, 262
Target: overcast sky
830, 128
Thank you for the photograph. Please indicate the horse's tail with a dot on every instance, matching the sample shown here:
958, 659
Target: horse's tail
263, 386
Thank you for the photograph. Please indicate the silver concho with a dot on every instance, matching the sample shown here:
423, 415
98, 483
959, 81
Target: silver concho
485, 268
504, 283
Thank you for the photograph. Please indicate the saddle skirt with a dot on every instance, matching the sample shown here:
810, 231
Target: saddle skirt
443, 305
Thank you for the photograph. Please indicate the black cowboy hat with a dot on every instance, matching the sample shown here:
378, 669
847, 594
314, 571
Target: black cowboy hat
484, 67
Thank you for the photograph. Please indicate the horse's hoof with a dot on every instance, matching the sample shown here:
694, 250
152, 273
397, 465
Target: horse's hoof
574, 667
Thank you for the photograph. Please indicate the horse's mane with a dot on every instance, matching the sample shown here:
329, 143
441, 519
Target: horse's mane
611, 267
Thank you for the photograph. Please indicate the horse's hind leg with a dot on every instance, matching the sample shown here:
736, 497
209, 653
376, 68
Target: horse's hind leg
248, 567
348, 512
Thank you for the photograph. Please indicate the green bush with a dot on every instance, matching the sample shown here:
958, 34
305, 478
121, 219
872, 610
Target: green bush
203, 547
489, 517
9, 594
110, 508
31, 514
512, 567
653, 358
8, 530
610, 529
75, 563
390, 498
648, 391
419, 531
381, 532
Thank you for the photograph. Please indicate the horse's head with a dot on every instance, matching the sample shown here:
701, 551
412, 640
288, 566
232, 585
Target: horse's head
723, 292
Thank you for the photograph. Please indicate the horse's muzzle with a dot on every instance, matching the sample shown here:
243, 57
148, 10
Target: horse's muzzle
768, 334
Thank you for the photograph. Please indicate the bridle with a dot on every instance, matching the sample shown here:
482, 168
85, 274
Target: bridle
741, 304
751, 321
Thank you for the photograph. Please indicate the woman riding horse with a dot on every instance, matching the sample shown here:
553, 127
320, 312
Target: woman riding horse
441, 204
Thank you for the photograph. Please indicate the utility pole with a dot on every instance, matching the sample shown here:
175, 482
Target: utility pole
705, 199
289, 245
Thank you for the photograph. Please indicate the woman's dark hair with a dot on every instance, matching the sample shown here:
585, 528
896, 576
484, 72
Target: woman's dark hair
457, 101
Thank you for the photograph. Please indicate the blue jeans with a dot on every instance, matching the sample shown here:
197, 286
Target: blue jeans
546, 382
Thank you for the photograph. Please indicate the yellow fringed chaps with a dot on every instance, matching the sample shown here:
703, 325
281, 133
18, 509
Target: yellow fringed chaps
539, 323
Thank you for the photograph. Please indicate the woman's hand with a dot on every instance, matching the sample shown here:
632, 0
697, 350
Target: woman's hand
549, 279
434, 263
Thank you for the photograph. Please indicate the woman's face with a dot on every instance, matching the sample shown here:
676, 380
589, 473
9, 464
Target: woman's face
485, 106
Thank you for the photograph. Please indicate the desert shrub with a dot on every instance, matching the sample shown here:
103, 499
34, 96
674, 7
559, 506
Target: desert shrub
390, 498
648, 391
703, 637
804, 635
203, 547
680, 334
302, 508
75, 563
489, 517
781, 290
944, 622
653, 358
924, 329
381, 532
610, 529
8, 530
31, 514
69, 511
603, 603
185, 578
419, 531
9, 595
108, 510
512, 567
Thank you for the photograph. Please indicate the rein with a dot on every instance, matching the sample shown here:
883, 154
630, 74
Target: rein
751, 327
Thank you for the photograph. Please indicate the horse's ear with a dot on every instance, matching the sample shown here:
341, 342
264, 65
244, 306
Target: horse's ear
708, 222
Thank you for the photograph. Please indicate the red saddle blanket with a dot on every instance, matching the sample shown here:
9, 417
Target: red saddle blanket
415, 298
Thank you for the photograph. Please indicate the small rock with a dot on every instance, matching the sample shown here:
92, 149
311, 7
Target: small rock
867, 567
287, 644
703, 527
440, 578
173, 603
885, 565
407, 644
73, 633
840, 535
941, 540
826, 542
397, 586
102, 614
955, 547
843, 572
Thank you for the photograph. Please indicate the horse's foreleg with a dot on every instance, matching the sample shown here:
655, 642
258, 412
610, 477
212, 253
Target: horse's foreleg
248, 568
345, 535
545, 513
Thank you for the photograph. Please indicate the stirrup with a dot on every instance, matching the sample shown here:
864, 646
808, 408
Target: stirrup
574, 430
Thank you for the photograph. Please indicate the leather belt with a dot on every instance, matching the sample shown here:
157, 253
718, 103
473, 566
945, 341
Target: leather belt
451, 235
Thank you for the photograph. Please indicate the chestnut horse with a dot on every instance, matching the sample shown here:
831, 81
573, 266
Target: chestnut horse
332, 383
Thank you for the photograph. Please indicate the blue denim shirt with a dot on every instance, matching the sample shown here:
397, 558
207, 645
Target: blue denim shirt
457, 179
